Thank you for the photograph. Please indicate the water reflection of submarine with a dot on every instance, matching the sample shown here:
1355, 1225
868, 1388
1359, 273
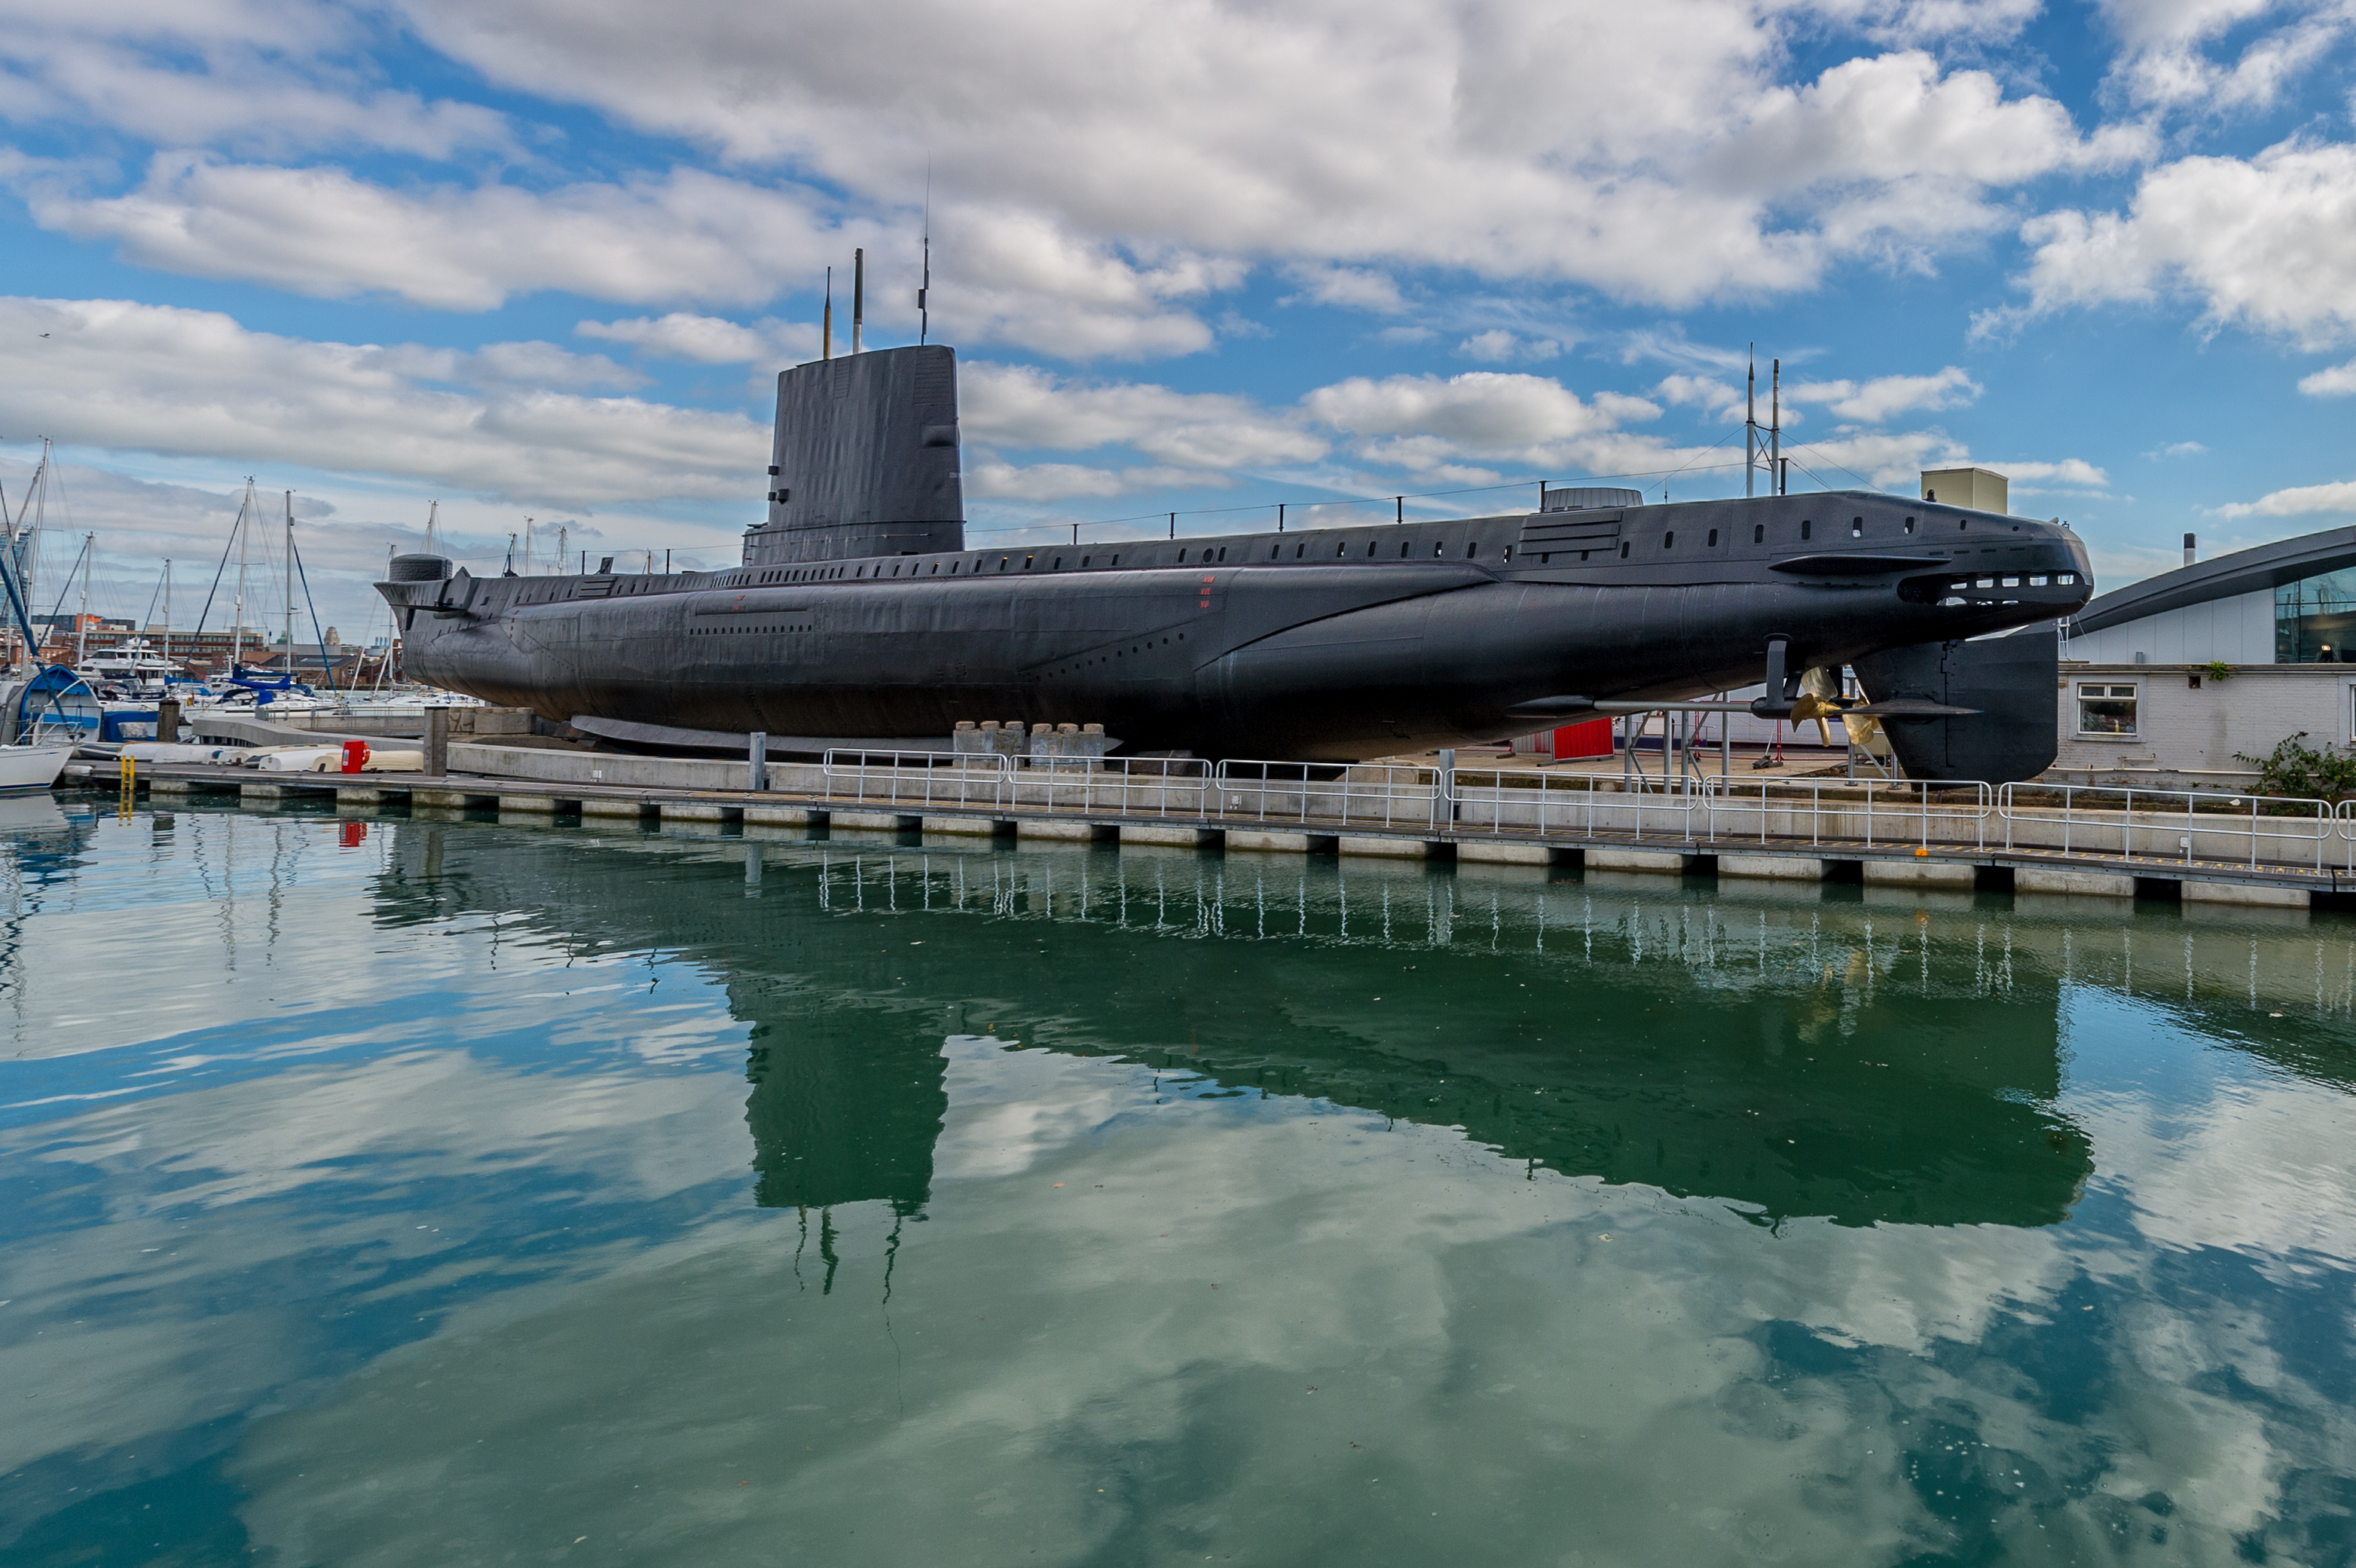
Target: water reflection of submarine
1788, 1091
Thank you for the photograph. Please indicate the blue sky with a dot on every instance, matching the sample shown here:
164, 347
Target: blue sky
544, 259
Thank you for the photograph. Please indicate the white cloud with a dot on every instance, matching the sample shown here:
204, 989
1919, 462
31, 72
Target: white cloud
1886, 460
2070, 472
708, 339
1358, 288
2340, 381
1622, 409
1486, 409
2267, 242
279, 76
1021, 406
2168, 60
143, 377
1155, 153
1442, 430
1879, 399
1706, 393
2178, 449
1497, 346
2299, 501
1451, 430
320, 230
990, 480
1921, 21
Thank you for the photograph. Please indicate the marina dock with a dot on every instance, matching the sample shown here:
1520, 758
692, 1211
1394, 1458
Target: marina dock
2068, 840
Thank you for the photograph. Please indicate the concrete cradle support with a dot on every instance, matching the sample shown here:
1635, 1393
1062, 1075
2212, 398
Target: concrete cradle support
1770, 867
1199, 838
1919, 874
1514, 853
2051, 879
972, 827
1069, 832
1282, 844
2247, 895
1394, 849
1663, 863
527, 805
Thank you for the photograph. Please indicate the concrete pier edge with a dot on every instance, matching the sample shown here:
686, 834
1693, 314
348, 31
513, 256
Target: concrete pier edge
2029, 870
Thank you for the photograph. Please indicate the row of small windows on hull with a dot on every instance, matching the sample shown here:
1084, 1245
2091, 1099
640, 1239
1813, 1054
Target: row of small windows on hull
1807, 533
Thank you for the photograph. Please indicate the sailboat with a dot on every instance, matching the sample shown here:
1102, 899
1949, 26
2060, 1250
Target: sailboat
43, 713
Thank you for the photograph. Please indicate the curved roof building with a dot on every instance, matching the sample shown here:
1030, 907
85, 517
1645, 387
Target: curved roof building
2291, 602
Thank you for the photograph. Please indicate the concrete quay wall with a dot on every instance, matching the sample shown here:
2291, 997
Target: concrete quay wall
1841, 838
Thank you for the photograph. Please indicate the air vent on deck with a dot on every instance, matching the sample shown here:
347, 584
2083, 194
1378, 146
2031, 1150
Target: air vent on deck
1589, 498
1545, 532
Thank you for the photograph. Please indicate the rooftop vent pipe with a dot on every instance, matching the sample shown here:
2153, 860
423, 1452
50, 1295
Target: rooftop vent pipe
2188, 550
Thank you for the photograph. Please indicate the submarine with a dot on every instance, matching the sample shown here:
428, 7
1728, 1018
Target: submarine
861, 614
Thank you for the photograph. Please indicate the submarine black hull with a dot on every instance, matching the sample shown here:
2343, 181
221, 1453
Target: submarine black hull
1271, 653
861, 611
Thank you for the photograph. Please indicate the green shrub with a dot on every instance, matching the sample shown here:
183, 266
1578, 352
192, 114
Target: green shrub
2298, 771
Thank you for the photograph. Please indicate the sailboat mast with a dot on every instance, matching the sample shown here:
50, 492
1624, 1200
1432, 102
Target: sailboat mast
290, 582
244, 532
26, 546
82, 619
167, 618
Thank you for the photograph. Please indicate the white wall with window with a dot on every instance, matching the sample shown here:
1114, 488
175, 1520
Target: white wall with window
2131, 721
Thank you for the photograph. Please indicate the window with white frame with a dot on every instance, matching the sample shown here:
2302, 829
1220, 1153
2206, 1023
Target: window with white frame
2106, 707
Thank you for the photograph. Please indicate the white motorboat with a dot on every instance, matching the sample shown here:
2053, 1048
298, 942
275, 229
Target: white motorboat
29, 767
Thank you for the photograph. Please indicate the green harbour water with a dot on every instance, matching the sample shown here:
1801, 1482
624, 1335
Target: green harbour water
449, 1192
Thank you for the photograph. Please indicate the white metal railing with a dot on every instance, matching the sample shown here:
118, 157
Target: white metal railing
1328, 794
919, 778
1498, 800
2182, 825
1128, 786
1874, 812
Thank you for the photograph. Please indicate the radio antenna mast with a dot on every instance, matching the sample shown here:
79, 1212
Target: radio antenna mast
858, 296
825, 323
1750, 428
924, 285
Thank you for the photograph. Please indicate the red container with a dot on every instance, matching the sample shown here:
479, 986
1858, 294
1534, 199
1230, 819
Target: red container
1593, 738
355, 755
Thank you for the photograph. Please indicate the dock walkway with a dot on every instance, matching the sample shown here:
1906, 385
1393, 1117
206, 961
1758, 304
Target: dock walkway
2064, 839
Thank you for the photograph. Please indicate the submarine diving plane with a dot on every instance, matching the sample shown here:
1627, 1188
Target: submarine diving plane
862, 612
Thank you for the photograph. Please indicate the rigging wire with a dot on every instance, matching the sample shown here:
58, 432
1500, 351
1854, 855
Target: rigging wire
326, 669
227, 546
81, 563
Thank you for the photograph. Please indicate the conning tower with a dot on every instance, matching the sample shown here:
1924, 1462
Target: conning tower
865, 460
